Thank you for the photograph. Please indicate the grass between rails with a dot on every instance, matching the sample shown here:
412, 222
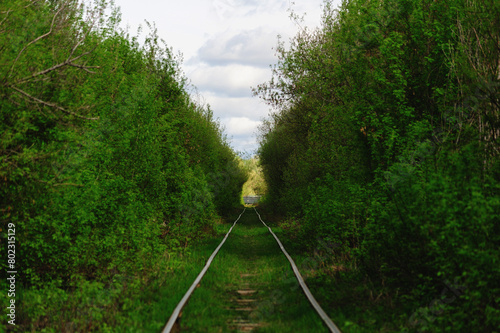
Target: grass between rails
250, 262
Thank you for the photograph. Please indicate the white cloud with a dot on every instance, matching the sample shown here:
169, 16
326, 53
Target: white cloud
241, 126
228, 81
242, 132
229, 9
249, 47
228, 107
247, 145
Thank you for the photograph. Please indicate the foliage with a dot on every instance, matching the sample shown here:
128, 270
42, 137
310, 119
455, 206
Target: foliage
385, 141
255, 185
105, 160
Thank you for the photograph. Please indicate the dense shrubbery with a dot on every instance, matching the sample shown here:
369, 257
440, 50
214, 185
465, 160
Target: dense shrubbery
105, 161
385, 141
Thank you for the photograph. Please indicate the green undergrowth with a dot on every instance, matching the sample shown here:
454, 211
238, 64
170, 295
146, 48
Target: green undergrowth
280, 303
352, 302
121, 302
357, 303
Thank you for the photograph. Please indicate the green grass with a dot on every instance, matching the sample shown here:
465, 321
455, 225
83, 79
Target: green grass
352, 301
143, 302
280, 305
140, 302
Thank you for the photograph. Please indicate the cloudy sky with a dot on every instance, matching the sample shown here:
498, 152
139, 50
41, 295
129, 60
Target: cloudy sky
227, 46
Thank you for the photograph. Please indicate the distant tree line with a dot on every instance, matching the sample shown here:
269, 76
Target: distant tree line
255, 185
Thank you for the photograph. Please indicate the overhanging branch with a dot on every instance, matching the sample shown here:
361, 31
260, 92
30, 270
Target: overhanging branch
52, 105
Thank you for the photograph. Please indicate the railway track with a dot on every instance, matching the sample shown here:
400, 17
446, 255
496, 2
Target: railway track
246, 296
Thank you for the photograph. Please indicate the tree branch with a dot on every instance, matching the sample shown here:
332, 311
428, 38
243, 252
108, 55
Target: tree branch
55, 106
6, 16
68, 62
36, 40
59, 184
85, 68
68, 184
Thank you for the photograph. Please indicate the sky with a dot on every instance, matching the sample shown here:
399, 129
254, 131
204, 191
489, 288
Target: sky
227, 48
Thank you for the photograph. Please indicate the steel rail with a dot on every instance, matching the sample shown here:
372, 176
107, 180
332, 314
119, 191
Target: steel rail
171, 322
329, 323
